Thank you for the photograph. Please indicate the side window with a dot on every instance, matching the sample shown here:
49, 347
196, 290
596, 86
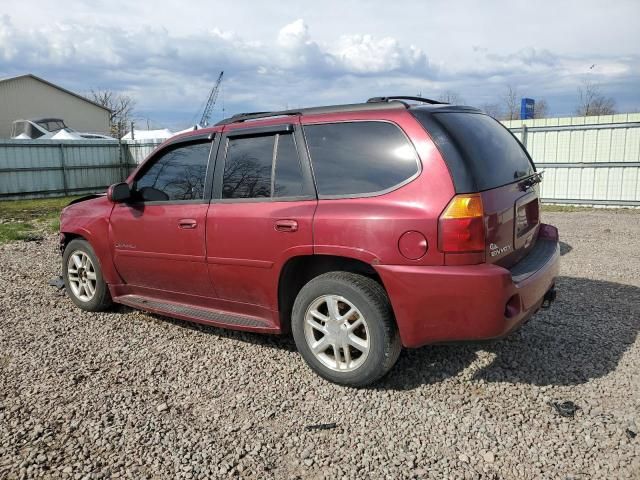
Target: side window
288, 177
177, 174
354, 158
249, 168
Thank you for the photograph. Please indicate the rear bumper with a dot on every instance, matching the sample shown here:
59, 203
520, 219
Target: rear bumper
473, 302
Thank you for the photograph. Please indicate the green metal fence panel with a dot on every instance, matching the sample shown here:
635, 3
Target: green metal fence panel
40, 168
587, 160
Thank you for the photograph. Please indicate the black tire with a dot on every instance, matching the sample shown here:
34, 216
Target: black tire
101, 299
371, 300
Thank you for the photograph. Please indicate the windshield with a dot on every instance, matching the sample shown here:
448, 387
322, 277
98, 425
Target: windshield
52, 125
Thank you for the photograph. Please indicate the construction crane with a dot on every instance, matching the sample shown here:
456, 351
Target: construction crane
211, 101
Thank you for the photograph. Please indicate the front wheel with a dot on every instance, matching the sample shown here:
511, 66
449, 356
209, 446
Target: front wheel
83, 277
343, 326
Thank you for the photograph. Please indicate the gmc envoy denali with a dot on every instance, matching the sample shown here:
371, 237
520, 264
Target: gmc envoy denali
360, 228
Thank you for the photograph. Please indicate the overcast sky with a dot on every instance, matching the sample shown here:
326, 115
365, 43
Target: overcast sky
167, 54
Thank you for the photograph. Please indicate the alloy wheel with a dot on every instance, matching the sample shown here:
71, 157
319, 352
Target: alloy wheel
81, 275
337, 333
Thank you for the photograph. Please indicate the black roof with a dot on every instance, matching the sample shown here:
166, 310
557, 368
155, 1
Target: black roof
376, 103
36, 120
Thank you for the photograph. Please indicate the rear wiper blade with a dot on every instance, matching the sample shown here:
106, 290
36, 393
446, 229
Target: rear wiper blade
530, 180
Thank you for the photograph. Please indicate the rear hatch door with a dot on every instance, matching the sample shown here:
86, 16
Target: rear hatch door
483, 156
512, 219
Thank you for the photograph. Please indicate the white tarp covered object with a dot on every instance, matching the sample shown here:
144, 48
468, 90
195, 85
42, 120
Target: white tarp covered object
163, 133
66, 135
50, 129
190, 129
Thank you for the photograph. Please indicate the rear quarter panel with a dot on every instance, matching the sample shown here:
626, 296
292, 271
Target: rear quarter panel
369, 228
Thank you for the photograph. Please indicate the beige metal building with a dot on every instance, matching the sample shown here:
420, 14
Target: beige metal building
27, 97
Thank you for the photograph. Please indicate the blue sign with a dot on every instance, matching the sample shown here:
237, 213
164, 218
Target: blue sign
527, 106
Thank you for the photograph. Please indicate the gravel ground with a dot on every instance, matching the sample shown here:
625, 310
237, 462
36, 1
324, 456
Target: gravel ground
128, 394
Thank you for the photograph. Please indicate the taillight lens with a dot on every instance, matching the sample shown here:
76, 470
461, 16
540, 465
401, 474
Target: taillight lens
461, 225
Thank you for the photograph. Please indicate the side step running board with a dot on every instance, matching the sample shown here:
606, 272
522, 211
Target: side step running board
196, 314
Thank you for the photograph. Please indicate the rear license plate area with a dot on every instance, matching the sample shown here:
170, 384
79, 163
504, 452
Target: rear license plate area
527, 216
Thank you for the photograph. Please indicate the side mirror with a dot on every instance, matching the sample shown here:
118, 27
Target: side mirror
119, 193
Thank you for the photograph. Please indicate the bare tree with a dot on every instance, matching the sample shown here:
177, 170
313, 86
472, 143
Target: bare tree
591, 101
511, 104
492, 109
121, 107
541, 109
449, 96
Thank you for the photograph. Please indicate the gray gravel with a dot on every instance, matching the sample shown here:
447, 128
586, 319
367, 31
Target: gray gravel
131, 395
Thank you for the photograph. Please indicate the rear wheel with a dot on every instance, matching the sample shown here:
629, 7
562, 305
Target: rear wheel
343, 327
83, 277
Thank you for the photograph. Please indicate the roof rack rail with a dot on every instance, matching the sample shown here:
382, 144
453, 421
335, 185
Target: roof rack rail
243, 117
404, 97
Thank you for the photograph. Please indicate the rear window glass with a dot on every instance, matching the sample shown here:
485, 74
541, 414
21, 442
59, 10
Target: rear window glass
288, 180
491, 154
247, 169
355, 158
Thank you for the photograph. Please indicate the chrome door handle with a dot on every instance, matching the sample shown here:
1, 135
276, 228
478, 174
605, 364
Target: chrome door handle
286, 226
187, 223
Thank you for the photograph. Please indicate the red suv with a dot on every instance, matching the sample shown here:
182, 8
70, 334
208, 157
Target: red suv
361, 228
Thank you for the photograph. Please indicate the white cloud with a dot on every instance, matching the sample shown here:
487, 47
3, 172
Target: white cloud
168, 58
366, 54
294, 35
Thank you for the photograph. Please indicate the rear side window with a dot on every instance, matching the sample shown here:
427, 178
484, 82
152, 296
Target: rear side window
247, 169
288, 181
356, 158
250, 171
492, 157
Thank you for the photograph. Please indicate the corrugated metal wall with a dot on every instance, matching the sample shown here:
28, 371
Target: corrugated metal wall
586, 160
138, 150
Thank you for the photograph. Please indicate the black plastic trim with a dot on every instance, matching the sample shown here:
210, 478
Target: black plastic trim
84, 198
200, 137
542, 252
256, 131
405, 97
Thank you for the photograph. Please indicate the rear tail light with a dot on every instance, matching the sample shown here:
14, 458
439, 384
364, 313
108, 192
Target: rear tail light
461, 225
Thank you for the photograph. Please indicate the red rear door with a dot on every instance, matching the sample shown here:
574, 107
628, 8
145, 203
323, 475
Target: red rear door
261, 215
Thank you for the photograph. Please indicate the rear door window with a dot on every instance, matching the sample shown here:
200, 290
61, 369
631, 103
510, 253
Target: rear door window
265, 166
491, 155
359, 158
288, 180
247, 168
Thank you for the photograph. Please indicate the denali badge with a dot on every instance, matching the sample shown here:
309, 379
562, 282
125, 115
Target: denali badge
496, 250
